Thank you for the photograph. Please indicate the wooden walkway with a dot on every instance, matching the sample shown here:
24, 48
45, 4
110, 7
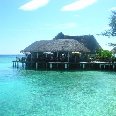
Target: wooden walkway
16, 64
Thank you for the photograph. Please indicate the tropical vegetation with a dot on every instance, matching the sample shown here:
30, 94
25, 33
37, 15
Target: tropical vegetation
104, 55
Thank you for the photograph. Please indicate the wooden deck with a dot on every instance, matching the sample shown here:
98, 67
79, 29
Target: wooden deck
66, 65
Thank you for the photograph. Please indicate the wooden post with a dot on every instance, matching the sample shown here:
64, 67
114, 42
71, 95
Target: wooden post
104, 66
66, 66
113, 67
50, 65
23, 65
83, 66
100, 66
68, 56
80, 65
57, 56
17, 64
13, 63
36, 65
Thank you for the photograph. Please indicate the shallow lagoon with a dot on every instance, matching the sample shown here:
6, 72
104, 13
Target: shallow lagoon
56, 93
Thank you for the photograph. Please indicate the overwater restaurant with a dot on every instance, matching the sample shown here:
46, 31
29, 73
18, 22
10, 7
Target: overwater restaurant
55, 54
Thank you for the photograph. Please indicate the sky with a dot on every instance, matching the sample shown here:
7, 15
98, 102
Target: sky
23, 22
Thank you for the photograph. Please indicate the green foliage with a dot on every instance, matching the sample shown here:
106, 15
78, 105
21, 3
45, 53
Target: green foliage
104, 55
112, 24
112, 30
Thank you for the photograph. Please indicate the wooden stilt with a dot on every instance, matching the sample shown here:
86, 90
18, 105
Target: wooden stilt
68, 56
13, 63
100, 66
36, 65
57, 56
50, 65
66, 66
113, 67
83, 66
104, 66
17, 64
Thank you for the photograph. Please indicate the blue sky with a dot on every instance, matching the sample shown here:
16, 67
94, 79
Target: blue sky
24, 21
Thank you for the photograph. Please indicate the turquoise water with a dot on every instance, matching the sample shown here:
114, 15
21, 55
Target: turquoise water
55, 93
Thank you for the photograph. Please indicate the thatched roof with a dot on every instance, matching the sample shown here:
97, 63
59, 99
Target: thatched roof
88, 41
66, 45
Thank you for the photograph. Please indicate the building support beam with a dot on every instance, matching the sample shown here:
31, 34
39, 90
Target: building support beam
66, 66
57, 55
68, 56
36, 65
50, 65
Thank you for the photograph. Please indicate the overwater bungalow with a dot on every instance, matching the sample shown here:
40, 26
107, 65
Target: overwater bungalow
61, 53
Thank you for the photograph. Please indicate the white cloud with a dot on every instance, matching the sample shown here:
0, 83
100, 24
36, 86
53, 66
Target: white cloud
113, 9
33, 5
78, 5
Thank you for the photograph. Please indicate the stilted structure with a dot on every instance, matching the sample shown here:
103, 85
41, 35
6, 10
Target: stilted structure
60, 54
55, 54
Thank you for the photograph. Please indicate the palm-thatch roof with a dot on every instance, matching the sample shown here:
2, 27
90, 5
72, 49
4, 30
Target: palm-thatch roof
88, 41
65, 45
